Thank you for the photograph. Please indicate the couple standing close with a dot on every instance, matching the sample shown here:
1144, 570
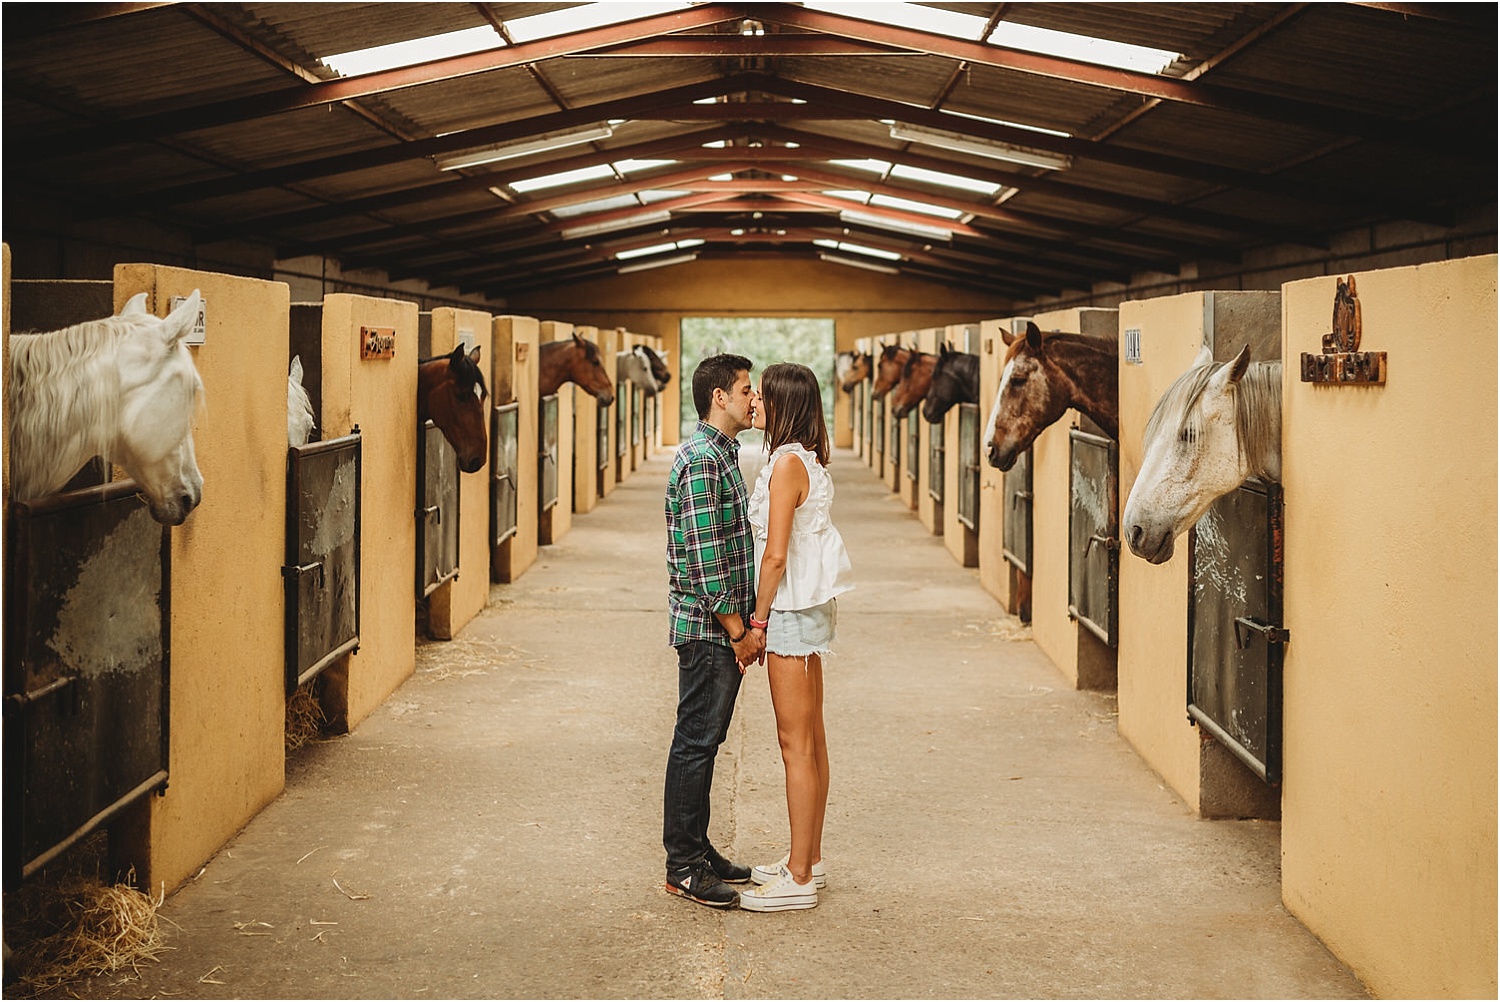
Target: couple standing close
751, 580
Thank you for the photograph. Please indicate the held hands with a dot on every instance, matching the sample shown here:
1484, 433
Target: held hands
750, 649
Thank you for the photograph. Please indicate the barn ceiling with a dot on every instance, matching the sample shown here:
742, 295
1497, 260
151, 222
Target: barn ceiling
926, 139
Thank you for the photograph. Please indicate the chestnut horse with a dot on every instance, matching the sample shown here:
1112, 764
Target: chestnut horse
1044, 375
849, 367
576, 360
916, 379
451, 392
955, 380
888, 369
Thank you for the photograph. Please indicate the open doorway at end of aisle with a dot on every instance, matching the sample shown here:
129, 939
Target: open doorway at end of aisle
763, 340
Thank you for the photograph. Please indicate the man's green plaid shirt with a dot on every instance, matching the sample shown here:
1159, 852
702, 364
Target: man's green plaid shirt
710, 552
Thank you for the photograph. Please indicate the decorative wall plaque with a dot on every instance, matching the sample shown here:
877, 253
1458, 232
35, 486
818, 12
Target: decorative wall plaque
1341, 361
377, 342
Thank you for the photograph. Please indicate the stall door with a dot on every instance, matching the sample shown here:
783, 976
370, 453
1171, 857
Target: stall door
437, 510
504, 456
1093, 535
322, 555
547, 454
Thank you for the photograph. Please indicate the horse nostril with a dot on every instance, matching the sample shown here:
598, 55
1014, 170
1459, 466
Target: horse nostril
1137, 533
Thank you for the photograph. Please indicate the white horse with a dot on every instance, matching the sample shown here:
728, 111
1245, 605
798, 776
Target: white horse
644, 367
123, 388
1215, 426
299, 415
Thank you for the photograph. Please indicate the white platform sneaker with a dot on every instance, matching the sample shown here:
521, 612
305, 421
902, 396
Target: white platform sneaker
767, 872
781, 894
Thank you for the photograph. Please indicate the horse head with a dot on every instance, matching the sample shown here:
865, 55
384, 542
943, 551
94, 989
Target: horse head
889, 368
1212, 428
586, 368
916, 379
658, 363
299, 415
159, 391
955, 380
849, 368
635, 366
1043, 376
451, 391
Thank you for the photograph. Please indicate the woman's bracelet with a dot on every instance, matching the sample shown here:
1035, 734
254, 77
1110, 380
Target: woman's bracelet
759, 624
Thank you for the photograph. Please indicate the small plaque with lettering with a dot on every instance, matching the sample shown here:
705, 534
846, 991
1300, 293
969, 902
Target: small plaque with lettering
377, 342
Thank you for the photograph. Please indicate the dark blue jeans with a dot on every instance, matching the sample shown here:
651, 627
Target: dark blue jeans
708, 681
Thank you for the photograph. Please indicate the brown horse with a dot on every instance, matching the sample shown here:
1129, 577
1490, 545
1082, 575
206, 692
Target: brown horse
576, 360
1044, 375
955, 380
916, 380
888, 369
451, 392
850, 367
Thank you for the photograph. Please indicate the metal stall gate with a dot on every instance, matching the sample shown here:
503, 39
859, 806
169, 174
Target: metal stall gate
87, 636
877, 427
547, 454
601, 451
437, 510
622, 419
637, 424
937, 448
968, 466
1093, 534
323, 525
1018, 497
504, 470
1236, 642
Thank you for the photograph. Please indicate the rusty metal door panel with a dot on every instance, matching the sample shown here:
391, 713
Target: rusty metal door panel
602, 456
913, 444
877, 424
937, 455
1093, 534
968, 466
1235, 640
87, 596
322, 552
437, 511
1018, 498
547, 453
624, 420
504, 457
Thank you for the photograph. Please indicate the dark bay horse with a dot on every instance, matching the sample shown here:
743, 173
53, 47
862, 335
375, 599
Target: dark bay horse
451, 392
1044, 375
955, 380
576, 360
915, 380
888, 369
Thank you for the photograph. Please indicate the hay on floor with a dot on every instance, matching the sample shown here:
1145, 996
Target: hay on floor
60, 934
304, 716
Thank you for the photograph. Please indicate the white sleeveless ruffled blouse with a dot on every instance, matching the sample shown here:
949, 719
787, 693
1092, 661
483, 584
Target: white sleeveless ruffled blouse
817, 565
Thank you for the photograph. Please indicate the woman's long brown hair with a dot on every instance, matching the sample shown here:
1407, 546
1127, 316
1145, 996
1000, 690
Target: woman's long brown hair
794, 409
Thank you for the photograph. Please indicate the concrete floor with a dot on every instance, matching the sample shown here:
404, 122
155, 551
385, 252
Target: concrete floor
494, 830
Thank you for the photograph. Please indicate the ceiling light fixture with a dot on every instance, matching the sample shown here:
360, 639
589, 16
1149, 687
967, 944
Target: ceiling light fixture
536, 144
590, 229
895, 225
658, 263
958, 142
850, 262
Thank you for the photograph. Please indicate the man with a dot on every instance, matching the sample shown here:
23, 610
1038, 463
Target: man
711, 592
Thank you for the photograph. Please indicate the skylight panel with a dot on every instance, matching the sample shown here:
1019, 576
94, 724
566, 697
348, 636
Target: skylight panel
593, 173
843, 245
945, 179
583, 17
907, 15
872, 166
599, 205
908, 205
626, 255
861, 197
628, 166
1048, 41
413, 51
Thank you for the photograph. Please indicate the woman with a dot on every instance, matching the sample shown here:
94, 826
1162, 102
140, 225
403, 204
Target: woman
802, 568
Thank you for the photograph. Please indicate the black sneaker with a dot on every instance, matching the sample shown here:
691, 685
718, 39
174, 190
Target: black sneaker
699, 883
730, 873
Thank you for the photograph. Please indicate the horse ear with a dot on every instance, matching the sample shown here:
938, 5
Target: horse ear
474, 355
295, 374
136, 304
1232, 371
1205, 356
1033, 336
179, 323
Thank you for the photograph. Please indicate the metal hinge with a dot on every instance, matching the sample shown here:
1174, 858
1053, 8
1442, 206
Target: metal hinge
1272, 634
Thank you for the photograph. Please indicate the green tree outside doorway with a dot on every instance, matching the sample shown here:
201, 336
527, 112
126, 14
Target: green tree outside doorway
763, 340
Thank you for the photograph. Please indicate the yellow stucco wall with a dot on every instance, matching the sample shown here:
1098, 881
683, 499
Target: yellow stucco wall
228, 698
860, 304
1083, 659
1388, 831
380, 396
554, 523
460, 599
514, 380
585, 438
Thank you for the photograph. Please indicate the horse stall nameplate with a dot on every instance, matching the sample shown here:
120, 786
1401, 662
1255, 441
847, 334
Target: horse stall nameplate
1093, 534
377, 342
1235, 641
523, 350
87, 597
323, 525
199, 333
1341, 363
437, 510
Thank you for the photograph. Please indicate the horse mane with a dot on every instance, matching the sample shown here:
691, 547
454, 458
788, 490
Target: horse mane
1257, 402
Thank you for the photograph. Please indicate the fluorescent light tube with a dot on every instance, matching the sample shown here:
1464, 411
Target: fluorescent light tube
658, 263
960, 143
536, 144
850, 262
589, 229
896, 225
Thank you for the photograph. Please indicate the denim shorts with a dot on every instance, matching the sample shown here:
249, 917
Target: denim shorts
799, 632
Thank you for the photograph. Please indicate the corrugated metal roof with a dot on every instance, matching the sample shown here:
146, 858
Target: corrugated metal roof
1289, 122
